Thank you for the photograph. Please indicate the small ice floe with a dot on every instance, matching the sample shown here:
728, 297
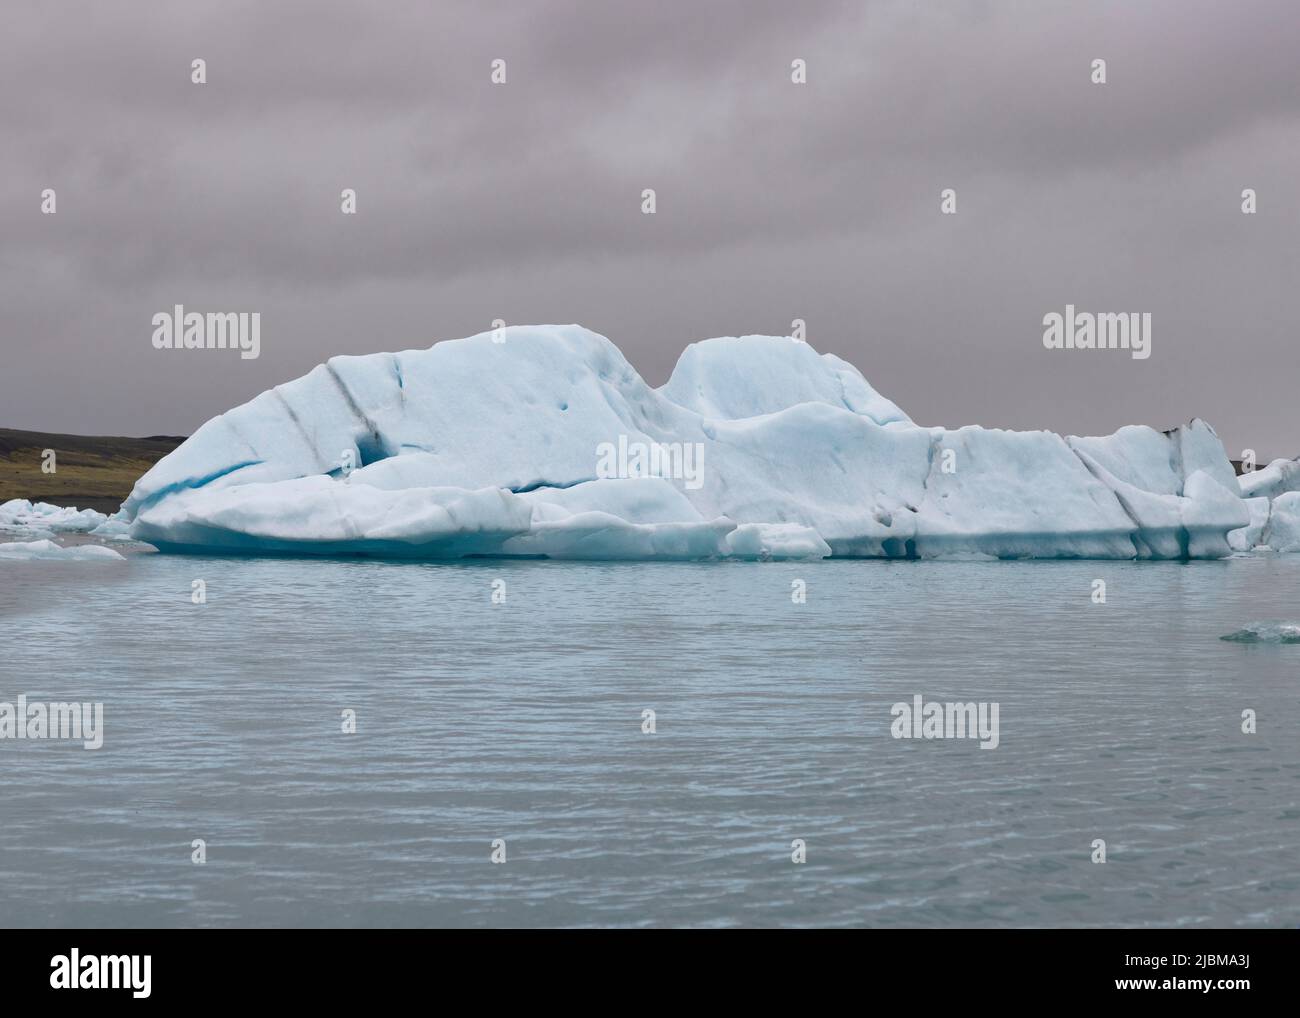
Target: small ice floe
1266, 632
27, 551
19, 513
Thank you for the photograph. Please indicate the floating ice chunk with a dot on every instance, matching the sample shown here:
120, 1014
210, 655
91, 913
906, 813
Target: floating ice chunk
13, 510
19, 512
29, 550
1266, 632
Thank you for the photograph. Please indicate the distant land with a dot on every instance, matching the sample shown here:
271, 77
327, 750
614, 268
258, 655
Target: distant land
91, 471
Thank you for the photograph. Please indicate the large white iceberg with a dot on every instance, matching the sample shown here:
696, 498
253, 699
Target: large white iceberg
543, 441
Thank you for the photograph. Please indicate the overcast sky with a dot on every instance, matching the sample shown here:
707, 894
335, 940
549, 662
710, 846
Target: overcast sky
776, 201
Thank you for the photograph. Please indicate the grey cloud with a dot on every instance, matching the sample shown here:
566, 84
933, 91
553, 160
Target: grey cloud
775, 201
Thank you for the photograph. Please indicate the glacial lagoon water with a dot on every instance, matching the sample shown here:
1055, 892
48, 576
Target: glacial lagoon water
522, 721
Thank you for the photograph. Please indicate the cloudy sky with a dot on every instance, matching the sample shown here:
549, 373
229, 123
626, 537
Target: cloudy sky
776, 201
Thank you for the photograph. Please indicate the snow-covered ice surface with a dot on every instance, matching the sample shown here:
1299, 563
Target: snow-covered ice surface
483, 448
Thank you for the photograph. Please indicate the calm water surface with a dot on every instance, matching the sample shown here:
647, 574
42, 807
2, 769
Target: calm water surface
522, 721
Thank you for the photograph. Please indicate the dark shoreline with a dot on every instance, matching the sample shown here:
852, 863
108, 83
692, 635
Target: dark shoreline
91, 471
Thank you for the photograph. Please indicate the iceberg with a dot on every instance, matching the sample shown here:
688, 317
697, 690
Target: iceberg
492, 446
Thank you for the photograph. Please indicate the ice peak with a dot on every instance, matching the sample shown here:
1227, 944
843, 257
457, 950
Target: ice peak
735, 377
